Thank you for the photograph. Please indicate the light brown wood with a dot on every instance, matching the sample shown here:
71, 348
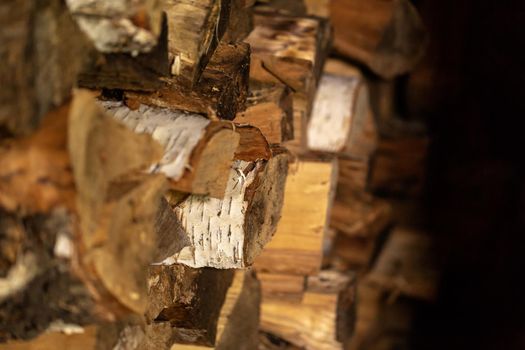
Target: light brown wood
231, 232
277, 285
269, 107
290, 50
296, 247
323, 319
195, 29
387, 36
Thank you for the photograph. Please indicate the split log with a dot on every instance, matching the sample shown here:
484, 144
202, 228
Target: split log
184, 305
269, 108
197, 152
221, 91
230, 232
241, 22
323, 319
283, 7
71, 265
42, 51
387, 36
297, 247
195, 30
238, 323
290, 50
123, 26
282, 286
268, 341
125, 71
341, 105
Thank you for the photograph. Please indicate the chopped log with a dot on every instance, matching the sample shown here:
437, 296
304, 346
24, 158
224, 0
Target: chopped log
197, 152
238, 323
269, 108
195, 30
184, 305
125, 71
387, 36
268, 341
241, 22
283, 7
42, 51
231, 232
323, 319
170, 235
221, 91
407, 265
354, 253
296, 247
341, 105
290, 50
124, 26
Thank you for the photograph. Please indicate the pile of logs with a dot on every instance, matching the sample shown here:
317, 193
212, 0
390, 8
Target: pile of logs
201, 175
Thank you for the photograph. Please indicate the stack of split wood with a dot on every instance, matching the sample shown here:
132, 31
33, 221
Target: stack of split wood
198, 174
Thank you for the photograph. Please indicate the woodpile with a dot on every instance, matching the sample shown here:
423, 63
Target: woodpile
201, 175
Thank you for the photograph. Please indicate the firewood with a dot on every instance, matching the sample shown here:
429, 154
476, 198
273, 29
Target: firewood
296, 247
184, 305
238, 323
295, 8
341, 102
269, 108
323, 319
290, 50
221, 91
125, 26
268, 341
42, 51
230, 232
241, 22
197, 152
195, 30
125, 71
283, 286
387, 36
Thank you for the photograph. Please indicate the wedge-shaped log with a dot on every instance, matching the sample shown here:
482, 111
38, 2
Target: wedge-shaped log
240, 23
324, 317
290, 50
195, 30
221, 92
269, 107
387, 36
230, 232
297, 246
238, 323
119, 26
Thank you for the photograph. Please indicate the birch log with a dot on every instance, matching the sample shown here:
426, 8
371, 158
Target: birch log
231, 232
119, 26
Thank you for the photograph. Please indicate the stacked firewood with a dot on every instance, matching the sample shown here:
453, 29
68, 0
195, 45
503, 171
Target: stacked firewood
199, 174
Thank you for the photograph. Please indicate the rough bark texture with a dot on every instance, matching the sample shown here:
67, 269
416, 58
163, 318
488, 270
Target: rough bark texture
195, 30
221, 91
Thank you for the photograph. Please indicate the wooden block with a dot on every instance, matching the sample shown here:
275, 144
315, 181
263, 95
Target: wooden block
238, 323
269, 108
296, 247
323, 319
195, 29
221, 91
387, 36
290, 50
125, 26
231, 232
